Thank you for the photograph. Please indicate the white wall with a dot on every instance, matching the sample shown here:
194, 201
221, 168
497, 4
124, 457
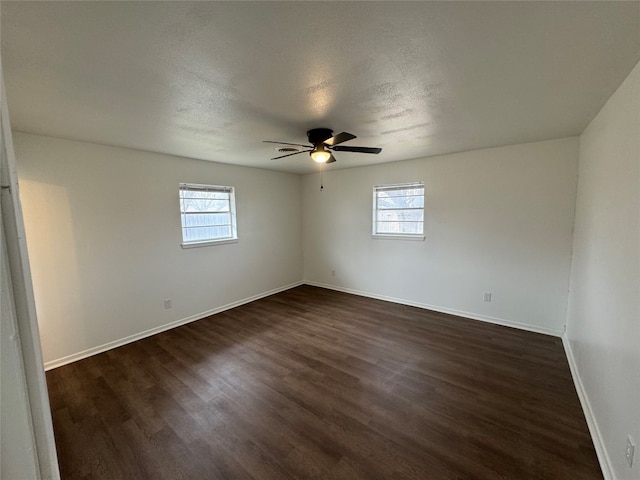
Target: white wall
497, 220
603, 326
103, 232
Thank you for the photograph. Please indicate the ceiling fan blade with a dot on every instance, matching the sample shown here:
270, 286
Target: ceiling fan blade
339, 138
289, 154
357, 149
331, 159
285, 143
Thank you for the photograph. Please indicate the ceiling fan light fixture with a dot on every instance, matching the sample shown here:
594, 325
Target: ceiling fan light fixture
320, 155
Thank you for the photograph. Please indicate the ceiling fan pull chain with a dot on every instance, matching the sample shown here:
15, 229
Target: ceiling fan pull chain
321, 177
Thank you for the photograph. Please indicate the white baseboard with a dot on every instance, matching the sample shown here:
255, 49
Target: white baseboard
436, 308
598, 443
147, 333
132, 338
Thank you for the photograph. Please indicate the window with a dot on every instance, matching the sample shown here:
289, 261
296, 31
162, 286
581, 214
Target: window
208, 214
398, 211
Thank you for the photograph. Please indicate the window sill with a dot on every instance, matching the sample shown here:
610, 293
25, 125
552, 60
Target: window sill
209, 242
415, 238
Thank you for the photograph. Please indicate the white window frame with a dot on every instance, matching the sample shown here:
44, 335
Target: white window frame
184, 187
401, 236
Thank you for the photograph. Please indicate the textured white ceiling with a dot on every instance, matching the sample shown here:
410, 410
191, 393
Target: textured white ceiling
211, 80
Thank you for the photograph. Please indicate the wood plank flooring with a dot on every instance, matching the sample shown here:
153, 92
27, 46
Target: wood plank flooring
316, 384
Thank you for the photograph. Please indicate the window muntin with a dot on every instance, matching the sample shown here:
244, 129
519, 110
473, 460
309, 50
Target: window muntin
207, 213
398, 210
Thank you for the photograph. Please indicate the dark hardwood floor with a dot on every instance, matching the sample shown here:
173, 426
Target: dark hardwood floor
312, 383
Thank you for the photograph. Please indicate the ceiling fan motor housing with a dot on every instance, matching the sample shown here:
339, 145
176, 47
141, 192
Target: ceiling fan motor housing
319, 135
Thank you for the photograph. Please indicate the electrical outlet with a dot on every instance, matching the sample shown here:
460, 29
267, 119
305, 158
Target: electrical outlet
631, 448
487, 296
167, 303
333, 273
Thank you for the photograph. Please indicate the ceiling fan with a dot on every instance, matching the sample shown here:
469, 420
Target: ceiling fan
323, 143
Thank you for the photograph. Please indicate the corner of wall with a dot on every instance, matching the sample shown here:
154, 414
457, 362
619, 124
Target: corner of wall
596, 436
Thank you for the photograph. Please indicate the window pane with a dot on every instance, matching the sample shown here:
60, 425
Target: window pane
399, 209
205, 219
400, 227
203, 195
200, 234
401, 191
204, 205
400, 215
400, 202
207, 213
